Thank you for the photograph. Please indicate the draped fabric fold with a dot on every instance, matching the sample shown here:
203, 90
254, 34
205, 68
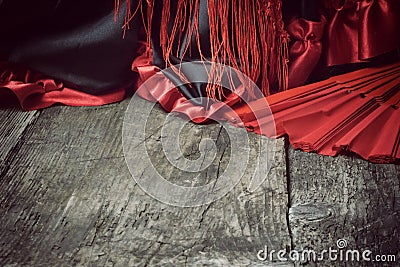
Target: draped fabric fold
248, 36
305, 50
35, 90
71, 41
359, 30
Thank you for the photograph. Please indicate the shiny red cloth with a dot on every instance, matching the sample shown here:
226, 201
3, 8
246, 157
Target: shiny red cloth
306, 49
359, 30
35, 90
172, 99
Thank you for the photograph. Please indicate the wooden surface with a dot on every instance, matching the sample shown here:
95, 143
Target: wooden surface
67, 198
344, 198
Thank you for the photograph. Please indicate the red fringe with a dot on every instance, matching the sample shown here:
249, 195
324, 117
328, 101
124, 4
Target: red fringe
256, 43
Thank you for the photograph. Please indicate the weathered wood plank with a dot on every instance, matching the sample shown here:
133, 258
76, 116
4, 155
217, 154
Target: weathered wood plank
347, 198
13, 122
68, 198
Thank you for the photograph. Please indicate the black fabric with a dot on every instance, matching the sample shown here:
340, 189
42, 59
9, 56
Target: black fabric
193, 91
307, 9
193, 54
77, 42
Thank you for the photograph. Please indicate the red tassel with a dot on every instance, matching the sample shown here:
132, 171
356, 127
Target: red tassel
254, 42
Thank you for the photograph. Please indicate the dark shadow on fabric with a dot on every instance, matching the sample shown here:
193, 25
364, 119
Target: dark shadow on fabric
8, 99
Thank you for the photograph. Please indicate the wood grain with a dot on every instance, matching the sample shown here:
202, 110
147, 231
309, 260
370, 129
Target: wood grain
347, 198
67, 198
13, 123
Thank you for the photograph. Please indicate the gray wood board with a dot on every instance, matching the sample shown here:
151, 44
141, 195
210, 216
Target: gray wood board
67, 198
13, 123
346, 198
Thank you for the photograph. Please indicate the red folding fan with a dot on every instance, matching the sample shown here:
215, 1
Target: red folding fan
357, 111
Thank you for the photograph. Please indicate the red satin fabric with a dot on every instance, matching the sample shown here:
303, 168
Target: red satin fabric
174, 100
360, 30
306, 49
37, 91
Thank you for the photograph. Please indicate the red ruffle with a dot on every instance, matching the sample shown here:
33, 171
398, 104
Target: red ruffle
157, 89
35, 90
